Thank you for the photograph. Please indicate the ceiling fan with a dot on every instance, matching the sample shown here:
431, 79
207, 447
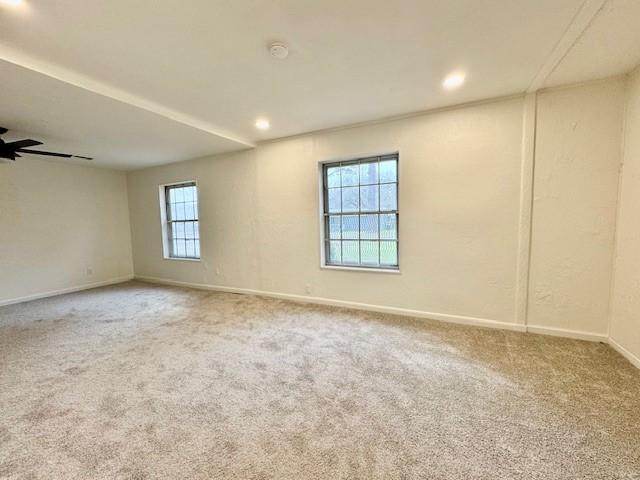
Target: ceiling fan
11, 150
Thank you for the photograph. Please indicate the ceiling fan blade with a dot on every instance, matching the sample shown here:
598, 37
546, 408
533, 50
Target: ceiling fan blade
22, 144
3, 130
83, 158
39, 152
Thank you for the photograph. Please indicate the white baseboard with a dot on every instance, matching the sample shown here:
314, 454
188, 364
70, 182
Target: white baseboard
76, 288
625, 353
562, 332
444, 317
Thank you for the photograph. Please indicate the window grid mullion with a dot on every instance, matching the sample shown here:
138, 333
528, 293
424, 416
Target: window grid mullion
359, 218
379, 217
341, 232
171, 230
358, 210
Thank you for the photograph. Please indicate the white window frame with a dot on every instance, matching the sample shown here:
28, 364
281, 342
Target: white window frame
166, 248
321, 210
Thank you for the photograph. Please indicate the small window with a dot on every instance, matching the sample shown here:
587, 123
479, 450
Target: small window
360, 199
182, 229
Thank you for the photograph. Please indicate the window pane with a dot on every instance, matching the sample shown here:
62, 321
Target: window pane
388, 253
181, 249
388, 171
178, 230
334, 227
179, 211
350, 199
174, 248
349, 175
350, 252
188, 194
197, 250
191, 248
388, 226
350, 227
172, 212
333, 176
388, 197
188, 230
369, 253
335, 252
196, 229
368, 173
178, 195
369, 198
189, 211
369, 227
335, 201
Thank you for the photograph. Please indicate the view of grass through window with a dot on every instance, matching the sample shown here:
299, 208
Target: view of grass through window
361, 212
182, 220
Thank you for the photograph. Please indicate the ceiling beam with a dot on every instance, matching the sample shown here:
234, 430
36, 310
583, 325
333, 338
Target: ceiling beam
576, 28
100, 88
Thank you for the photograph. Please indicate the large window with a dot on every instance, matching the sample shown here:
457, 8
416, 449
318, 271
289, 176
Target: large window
182, 230
360, 200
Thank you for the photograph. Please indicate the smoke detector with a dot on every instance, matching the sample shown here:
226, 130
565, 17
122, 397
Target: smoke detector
279, 50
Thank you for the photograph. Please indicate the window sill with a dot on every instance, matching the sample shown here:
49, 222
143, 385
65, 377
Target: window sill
178, 259
361, 269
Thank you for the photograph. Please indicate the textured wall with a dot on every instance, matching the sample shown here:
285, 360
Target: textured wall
56, 222
578, 156
625, 311
460, 191
459, 201
229, 246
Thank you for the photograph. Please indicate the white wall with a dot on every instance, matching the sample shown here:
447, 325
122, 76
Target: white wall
58, 220
460, 189
226, 194
464, 184
625, 304
465, 181
577, 160
459, 206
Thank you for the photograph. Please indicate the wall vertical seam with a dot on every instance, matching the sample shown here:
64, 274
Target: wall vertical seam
616, 223
525, 223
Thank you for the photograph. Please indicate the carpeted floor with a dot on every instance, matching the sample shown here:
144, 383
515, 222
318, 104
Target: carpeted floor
139, 381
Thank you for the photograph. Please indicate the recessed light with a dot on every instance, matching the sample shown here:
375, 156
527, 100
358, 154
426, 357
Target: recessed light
262, 124
453, 81
12, 3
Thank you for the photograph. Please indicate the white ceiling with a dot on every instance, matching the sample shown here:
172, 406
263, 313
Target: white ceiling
609, 46
138, 83
73, 120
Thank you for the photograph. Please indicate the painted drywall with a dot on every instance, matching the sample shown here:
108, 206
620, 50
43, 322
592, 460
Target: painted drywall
62, 227
625, 301
226, 194
459, 207
577, 160
465, 195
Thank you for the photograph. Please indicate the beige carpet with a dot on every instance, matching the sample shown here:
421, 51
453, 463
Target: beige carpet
139, 381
